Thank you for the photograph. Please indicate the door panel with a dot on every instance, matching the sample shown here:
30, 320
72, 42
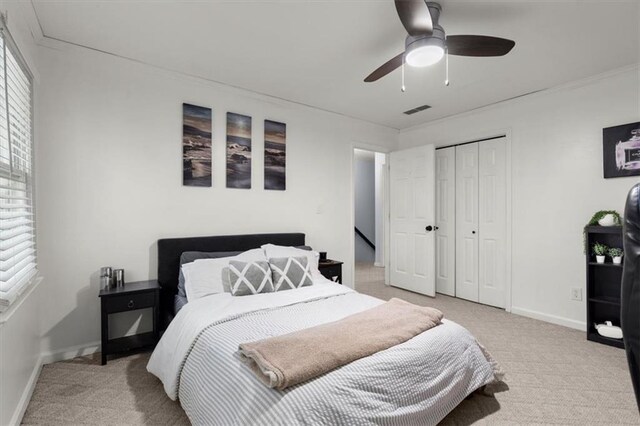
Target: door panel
421, 251
492, 220
422, 201
445, 221
401, 254
467, 222
412, 186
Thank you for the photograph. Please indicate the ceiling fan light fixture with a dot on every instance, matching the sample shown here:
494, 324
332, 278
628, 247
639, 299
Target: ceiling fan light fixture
424, 56
425, 51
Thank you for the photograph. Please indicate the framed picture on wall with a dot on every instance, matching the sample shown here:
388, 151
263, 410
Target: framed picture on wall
196, 145
238, 151
275, 155
621, 150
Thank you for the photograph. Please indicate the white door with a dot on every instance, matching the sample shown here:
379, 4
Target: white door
467, 222
446, 221
492, 218
412, 211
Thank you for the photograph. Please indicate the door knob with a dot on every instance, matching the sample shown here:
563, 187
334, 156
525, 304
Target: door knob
428, 228
473, 232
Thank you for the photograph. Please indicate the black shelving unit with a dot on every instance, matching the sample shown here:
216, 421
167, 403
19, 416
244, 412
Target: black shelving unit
603, 284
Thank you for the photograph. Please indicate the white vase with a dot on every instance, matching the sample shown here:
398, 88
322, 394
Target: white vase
617, 260
607, 220
600, 259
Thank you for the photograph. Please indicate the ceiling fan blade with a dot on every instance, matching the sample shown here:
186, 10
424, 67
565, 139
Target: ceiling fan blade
386, 68
415, 16
477, 45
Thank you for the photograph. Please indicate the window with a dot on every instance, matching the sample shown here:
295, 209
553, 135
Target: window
17, 221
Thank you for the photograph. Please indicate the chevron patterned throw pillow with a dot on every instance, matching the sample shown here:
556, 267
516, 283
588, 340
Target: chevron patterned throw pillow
247, 278
290, 272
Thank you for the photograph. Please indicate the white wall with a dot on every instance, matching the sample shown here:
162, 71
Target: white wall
19, 356
20, 326
364, 203
111, 185
557, 181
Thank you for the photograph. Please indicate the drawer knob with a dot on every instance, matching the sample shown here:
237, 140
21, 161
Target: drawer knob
130, 304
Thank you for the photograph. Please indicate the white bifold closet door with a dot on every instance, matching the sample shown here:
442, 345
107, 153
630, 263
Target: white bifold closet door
412, 211
481, 222
493, 219
446, 221
467, 222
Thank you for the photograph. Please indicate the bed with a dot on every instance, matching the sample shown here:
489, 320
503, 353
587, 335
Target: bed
197, 360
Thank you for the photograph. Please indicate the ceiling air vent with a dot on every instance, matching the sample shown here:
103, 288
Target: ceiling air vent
417, 109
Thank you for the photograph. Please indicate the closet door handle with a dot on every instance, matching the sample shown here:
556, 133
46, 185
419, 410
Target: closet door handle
429, 228
473, 232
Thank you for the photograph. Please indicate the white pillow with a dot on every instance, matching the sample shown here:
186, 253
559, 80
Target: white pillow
204, 276
272, 251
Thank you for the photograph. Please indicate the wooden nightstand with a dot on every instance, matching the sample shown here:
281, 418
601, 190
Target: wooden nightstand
133, 296
331, 269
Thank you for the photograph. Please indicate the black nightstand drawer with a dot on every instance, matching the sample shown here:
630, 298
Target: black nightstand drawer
130, 302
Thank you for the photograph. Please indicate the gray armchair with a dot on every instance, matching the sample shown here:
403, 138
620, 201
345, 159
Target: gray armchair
630, 311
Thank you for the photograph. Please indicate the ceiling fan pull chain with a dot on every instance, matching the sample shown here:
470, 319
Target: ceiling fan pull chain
403, 88
446, 66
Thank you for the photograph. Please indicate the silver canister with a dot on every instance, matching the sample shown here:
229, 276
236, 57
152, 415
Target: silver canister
118, 275
106, 277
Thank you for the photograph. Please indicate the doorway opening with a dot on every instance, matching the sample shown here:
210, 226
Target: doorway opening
369, 171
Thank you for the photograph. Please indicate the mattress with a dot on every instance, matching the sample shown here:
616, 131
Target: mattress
417, 382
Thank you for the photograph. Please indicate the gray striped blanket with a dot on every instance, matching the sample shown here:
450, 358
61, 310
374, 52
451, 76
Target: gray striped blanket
415, 383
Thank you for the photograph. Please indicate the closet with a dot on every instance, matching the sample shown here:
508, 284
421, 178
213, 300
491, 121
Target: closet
471, 221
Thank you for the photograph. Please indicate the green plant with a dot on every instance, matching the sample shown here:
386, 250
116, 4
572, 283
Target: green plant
602, 213
594, 221
600, 249
615, 252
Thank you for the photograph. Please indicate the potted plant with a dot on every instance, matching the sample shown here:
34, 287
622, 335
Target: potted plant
601, 218
616, 255
600, 250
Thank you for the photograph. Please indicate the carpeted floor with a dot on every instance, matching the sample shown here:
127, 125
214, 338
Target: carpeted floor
554, 376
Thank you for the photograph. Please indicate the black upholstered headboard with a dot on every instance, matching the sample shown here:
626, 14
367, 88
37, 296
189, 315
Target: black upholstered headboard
170, 250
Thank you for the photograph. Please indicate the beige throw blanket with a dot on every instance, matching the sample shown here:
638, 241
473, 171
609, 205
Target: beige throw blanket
293, 358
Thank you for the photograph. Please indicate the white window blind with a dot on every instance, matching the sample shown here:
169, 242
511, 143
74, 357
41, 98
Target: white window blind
17, 222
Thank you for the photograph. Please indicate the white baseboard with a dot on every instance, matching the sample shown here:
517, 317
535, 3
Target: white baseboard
21, 408
69, 353
554, 319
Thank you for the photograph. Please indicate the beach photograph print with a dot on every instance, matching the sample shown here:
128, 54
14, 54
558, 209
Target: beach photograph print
275, 155
238, 151
621, 150
196, 145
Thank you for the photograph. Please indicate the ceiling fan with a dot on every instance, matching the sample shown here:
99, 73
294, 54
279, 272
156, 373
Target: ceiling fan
427, 43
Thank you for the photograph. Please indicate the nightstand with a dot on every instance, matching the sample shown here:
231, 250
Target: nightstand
131, 297
331, 269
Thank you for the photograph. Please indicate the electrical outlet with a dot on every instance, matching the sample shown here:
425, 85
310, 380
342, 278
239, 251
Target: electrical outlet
576, 294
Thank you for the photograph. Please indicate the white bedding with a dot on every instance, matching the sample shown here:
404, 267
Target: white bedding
193, 318
418, 381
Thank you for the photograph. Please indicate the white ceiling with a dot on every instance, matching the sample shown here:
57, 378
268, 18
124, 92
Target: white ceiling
318, 52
